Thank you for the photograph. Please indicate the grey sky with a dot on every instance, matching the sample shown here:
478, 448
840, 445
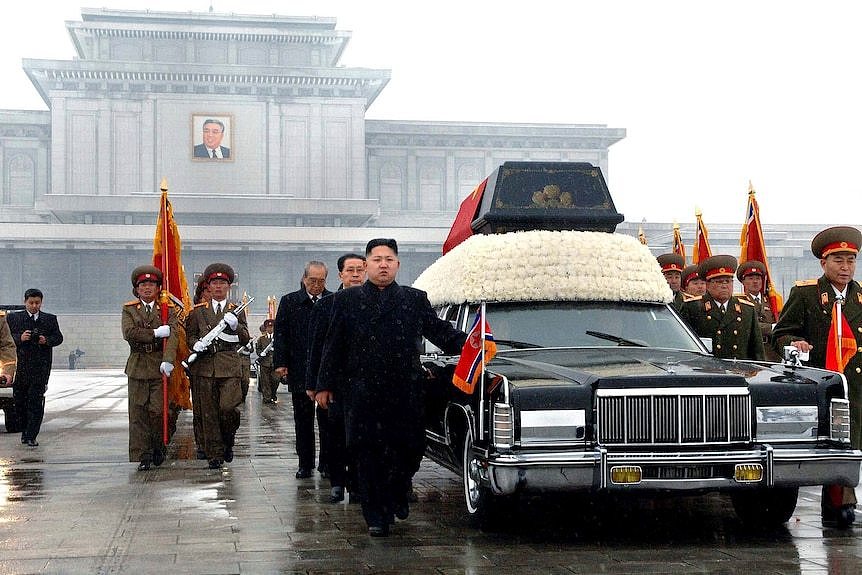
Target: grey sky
713, 94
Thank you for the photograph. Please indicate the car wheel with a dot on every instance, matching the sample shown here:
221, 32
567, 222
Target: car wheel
484, 508
765, 507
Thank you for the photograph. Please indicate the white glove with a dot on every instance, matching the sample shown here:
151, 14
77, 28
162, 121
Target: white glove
230, 320
199, 346
166, 368
162, 331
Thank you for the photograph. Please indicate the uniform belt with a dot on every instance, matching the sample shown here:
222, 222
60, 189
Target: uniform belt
144, 347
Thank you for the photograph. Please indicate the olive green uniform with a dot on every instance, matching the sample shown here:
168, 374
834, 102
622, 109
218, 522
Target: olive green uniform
218, 373
735, 333
807, 315
266, 381
146, 396
765, 318
8, 355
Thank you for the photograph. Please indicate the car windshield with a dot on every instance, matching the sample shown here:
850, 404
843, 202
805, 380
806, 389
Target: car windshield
586, 324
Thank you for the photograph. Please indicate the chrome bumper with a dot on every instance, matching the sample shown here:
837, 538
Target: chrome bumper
590, 470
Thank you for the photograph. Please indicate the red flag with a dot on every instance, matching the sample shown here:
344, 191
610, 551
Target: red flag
701, 250
678, 246
754, 248
461, 229
841, 345
167, 248
270, 307
478, 350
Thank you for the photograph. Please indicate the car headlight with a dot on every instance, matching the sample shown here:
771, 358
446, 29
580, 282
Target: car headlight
786, 422
839, 420
544, 426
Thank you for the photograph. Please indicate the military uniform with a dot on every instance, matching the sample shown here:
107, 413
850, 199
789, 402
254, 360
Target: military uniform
266, 379
807, 315
218, 372
147, 352
673, 264
762, 305
735, 333
8, 356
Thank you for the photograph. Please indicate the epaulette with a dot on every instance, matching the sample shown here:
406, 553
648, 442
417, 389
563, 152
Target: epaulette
746, 301
133, 302
739, 295
199, 304
803, 283
688, 297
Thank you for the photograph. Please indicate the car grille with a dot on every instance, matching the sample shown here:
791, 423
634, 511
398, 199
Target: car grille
673, 416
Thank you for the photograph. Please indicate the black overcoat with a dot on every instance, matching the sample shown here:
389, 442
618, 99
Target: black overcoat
34, 360
374, 341
290, 333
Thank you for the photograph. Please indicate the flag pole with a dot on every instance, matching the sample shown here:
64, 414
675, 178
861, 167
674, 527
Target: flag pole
163, 211
482, 364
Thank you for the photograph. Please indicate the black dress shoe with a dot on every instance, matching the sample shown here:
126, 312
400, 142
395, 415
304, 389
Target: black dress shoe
24, 441
402, 510
378, 530
201, 454
841, 518
32, 443
158, 457
215, 463
228, 454
303, 473
144, 465
336, 494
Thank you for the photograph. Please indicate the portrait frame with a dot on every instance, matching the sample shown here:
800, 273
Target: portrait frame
198, 150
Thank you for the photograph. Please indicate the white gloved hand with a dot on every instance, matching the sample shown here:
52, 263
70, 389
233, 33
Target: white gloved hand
231, 320
162, 331
199, 346
166, 368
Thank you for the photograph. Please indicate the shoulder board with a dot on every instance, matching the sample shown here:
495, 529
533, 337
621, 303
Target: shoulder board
803, 283
687, 297
745, 301
2, 313
199, 304
739, 295
133, 302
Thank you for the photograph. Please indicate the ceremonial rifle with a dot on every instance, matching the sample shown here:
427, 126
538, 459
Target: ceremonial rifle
214, 333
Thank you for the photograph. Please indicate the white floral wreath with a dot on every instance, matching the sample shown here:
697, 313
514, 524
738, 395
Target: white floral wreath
543, 266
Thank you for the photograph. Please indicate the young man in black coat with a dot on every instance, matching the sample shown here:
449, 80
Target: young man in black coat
290, 360
374, 342
36, 334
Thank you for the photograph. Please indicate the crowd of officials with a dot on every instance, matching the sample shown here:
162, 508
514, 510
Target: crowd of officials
350, 360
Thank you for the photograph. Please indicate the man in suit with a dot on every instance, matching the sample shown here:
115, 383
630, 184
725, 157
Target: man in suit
213, 133
373, 342
152, 353
728, 320
290, 360
218, 368
36, 334
804, 323
351, 272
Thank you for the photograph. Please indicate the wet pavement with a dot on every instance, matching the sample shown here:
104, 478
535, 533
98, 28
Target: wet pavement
75, 505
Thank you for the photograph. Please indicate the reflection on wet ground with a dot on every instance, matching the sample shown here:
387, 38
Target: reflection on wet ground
75, 505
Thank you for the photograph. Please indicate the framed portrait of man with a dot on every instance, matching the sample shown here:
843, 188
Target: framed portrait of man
211, 137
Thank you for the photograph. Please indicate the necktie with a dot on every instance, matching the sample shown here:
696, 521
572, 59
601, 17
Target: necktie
213, 156
314, 299
218, 309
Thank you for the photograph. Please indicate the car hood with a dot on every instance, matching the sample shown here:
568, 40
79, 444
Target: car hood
634, 367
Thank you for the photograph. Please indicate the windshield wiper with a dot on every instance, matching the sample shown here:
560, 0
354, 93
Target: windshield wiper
516, 344
614, 338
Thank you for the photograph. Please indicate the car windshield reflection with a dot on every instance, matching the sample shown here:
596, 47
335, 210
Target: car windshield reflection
587, 324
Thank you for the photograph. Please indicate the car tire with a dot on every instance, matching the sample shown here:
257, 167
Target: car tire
771, 507
484, 509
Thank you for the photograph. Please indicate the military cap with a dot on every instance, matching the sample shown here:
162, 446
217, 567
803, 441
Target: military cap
836, 239
717, 266
146, 273
689, 273
219, 271
671, 262
267, 322
749, 268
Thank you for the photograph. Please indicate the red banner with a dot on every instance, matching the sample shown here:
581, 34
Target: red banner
678, 246
754, 248
701, 250
841, 345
